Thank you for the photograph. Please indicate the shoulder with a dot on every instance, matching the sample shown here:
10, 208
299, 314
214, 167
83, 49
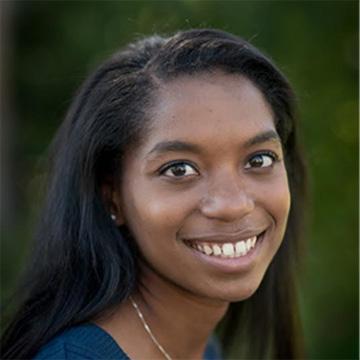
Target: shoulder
213, 349
82, 342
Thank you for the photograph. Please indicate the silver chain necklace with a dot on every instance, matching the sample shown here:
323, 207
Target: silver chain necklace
148, 330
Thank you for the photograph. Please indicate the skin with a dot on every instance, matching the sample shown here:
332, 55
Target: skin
220, 189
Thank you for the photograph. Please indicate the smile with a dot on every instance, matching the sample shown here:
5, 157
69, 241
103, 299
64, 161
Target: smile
224, 250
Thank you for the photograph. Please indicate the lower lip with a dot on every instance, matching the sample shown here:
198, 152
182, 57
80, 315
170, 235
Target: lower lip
230, 265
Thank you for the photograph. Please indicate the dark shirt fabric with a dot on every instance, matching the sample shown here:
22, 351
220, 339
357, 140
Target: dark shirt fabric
89, 341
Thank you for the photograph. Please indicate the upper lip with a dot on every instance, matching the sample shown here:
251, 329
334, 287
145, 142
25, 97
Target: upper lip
222, 237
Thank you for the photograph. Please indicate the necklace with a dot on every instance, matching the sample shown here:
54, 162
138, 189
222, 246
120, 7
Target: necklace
148, 330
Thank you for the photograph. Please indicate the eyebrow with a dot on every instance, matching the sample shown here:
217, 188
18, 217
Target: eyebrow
181, 146
265, 136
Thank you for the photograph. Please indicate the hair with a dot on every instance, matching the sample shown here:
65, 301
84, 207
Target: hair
82, 263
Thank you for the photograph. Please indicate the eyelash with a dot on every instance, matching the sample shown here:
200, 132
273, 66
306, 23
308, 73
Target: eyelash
274, 158
173, 164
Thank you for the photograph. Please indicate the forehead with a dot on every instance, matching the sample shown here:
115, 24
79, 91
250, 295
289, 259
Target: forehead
217, 109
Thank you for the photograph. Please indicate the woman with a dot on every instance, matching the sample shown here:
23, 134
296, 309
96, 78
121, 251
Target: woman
174, 207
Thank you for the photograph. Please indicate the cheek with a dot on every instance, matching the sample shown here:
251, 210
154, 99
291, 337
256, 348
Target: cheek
282, 198
157, 213
279, 203
273, 196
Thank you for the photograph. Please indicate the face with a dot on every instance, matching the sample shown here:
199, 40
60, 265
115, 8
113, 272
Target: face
206, 195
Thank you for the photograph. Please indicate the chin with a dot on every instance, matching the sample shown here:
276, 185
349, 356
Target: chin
236, 296
232, 294
238, 291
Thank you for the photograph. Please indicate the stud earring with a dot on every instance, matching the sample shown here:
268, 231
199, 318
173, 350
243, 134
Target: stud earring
113, 217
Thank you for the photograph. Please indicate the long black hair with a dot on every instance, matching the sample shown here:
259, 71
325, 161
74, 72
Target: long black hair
82, 263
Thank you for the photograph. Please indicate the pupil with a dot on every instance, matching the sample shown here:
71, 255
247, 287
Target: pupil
257, 161
178, 170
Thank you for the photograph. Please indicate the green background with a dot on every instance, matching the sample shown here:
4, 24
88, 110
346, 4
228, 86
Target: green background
52, 46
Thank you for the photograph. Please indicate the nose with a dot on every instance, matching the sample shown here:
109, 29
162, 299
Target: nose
227, 199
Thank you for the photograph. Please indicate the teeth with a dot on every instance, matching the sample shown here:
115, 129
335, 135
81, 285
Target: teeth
227, 250
216, 250
208, 250
253, 241
248, 244
240, 248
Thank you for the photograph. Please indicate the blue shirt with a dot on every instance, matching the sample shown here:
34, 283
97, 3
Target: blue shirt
89, 341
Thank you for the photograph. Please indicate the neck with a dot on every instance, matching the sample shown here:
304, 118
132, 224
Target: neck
181, 321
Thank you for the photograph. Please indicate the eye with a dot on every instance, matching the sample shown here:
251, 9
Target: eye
262, 160
179, 170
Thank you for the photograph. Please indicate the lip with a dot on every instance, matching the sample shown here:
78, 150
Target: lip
224, 238
231, 265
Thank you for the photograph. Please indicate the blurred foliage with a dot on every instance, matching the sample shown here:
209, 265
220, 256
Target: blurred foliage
56, 44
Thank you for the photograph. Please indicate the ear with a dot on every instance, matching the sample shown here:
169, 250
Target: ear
112, 200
